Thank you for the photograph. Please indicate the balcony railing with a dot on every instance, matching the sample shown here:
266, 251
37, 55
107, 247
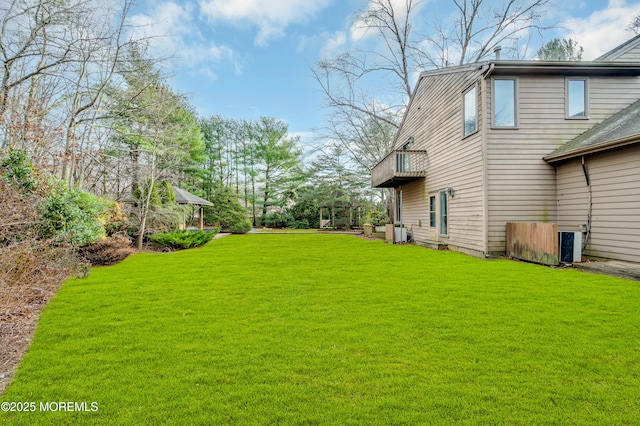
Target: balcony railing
399, 167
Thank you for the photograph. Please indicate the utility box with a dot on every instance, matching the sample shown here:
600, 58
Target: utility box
399, 234
570, 246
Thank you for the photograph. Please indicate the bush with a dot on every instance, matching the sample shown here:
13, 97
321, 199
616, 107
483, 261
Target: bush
74, 216
299, 224
241, 225
18, 171
376, 218
180, 240
114, 220
227, 212
108, 251
277, 220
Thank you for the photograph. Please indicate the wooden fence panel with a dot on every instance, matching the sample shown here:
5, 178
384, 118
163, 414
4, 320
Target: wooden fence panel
534, 242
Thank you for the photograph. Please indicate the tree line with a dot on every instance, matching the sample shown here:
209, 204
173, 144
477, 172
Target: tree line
83, 97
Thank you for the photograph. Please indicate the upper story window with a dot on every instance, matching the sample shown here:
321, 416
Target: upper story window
576, 97
504, 102
470, 111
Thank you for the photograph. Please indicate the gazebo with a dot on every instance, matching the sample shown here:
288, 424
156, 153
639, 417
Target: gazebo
185, 197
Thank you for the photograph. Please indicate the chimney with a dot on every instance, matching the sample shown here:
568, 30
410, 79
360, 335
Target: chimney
497, 51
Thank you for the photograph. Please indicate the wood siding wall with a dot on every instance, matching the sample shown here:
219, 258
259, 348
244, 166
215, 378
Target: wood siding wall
434, 120
521, 186
615, 185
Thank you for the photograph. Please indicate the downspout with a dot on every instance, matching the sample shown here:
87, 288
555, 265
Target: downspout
590, 210
485, 179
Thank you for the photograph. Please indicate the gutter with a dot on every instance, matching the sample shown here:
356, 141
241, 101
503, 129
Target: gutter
567, 155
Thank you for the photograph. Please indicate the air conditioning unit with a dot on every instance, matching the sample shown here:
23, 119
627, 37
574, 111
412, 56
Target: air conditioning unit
399, 234
570, 249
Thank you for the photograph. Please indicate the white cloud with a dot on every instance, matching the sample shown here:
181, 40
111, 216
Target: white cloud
171, 30
271, 17
333, 44
603, 29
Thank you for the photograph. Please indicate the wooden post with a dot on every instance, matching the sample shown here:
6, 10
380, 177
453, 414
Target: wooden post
201, 218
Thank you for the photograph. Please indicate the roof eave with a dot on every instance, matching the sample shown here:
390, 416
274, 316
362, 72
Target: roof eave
566, 68
592, 149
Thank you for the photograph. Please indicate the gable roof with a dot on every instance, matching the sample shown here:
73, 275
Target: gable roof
618, 52
621, 129
185, 197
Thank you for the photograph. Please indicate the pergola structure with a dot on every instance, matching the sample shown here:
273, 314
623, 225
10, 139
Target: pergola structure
338, 216
185, 197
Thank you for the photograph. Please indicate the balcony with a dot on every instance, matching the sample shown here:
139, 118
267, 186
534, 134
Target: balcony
400, 166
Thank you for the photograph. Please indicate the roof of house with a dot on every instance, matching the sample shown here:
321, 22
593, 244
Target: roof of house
621, 129
616, 52
185, 197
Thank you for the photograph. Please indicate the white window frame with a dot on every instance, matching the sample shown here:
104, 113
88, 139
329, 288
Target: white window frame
567, 80
515, 103
433, 210
443, 213
464, 110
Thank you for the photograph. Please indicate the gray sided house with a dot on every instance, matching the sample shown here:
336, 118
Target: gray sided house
484, 144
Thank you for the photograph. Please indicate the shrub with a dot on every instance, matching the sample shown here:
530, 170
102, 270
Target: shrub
376, 218
180, 240
114, 220
73, 216
241, 225
108, 251
299, 224
18, 171
227, 212
277, 220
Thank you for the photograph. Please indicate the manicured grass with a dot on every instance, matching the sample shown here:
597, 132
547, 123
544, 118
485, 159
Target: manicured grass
326, 329
286, 231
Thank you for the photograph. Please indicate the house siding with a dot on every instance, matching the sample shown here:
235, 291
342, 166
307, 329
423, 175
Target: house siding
521, 185
434, 120
615, 186
628, 52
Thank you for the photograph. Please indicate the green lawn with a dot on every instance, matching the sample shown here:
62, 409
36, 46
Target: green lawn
333, 329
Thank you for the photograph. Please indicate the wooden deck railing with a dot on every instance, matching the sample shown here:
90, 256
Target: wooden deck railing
398, 167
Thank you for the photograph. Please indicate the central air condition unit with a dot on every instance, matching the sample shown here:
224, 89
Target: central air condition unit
570, 249
399, 234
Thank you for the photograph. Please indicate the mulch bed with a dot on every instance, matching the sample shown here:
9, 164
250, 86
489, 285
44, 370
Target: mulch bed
17, 326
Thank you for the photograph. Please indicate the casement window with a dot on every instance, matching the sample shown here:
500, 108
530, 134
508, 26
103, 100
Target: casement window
470, 111
432, 211
504, 102
577, 98
444, 213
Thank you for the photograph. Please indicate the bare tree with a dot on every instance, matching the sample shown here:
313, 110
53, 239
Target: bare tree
32, 43
634, 25
95, 63
362, 115
342, 79
479, 26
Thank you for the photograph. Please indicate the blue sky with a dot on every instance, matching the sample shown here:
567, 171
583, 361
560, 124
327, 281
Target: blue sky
252, 58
